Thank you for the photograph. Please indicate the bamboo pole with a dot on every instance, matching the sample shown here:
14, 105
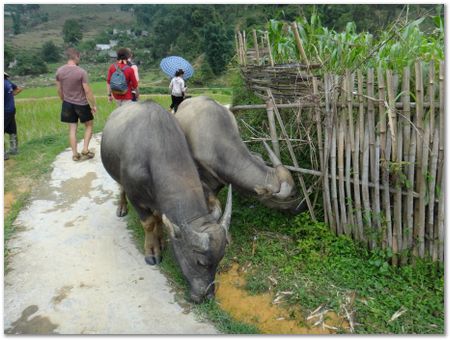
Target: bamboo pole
385, 144
408, 202
431, 93
340, 155
242, 50
356, 174
320, 145
299, 43
419, 218
374, 148
430, 230
440, 175
398, 106
432, 227
365, 185
327, 151
369, 184
381, 108
238, 53
335, 92
272, 128
255, 38
441, 120
392, 115
349, 152
269, 48
334, 196
397, 233
441, 213
294, 158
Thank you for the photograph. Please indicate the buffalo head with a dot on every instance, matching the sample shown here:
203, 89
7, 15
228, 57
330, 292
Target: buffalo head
280, 193
199, 246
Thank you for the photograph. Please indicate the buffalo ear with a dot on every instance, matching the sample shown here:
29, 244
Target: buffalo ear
173, 229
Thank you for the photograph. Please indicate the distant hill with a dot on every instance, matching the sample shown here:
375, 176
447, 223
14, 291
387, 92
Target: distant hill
95, 19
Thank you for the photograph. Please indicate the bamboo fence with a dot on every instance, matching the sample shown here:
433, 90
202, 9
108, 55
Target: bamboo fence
380, 141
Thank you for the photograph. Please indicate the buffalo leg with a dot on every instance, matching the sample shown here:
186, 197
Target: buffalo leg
153, 239
122, 208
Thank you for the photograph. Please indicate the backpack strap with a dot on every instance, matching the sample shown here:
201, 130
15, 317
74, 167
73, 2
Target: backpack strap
120, 69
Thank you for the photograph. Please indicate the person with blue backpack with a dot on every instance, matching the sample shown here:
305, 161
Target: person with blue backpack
121, 80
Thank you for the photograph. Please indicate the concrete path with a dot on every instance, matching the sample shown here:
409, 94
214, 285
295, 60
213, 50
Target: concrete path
74, 268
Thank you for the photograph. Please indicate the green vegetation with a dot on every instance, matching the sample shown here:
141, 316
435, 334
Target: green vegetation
319, 268
396, 47
72, 33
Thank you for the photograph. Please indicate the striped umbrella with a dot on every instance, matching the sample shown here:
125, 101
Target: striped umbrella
172, 64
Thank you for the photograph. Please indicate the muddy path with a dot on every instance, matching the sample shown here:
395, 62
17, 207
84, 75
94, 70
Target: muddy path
74, 268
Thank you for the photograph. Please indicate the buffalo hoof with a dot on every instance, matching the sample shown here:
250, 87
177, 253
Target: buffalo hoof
121, 211
158, 259
150, 259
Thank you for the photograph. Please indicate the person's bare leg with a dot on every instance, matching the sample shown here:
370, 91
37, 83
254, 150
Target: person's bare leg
87, 135
73, 138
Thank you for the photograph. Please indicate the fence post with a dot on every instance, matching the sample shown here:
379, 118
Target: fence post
269, 49
255, 38
272, 128
299, 43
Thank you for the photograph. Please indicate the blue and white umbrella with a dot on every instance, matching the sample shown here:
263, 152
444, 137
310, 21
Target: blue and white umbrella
172, 64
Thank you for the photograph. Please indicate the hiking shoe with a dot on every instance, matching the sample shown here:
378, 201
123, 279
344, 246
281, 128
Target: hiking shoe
87, 155
76, 157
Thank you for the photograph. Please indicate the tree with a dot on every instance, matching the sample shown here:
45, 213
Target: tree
9, 55
16, 22
50, 52
72, 33
30, 64
218, 46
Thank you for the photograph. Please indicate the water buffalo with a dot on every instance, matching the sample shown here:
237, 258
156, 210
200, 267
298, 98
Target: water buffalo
144, 149
212, 133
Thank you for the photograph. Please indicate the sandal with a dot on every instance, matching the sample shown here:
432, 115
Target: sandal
76, 157
88, 154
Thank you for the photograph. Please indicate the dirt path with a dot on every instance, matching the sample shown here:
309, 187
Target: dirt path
74, 268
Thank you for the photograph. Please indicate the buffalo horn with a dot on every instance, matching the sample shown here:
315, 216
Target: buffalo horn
226, 217
273, 158
284, 192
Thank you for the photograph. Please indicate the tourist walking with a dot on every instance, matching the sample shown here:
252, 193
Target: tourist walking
78, 102
10, 126
121, 79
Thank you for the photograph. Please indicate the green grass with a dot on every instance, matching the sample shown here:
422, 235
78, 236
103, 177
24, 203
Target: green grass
322, 269
209, 310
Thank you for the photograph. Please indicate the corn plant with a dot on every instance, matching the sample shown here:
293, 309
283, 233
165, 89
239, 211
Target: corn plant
398, 46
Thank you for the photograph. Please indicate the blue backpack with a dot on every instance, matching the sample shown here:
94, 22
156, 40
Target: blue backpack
118, 81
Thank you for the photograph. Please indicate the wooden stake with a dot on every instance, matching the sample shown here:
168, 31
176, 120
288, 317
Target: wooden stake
374, 153
255, 39
408, 206
396, 160
291, 151
269, 47
385, 141
299, 43
356, 160
327, 151
422, 145
272, 128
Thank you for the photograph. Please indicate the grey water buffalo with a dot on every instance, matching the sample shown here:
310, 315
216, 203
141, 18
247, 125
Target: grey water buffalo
144, 149
212, 133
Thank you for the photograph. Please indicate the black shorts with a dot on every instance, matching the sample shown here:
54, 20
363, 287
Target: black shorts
70, 113
175, 102
10, 126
